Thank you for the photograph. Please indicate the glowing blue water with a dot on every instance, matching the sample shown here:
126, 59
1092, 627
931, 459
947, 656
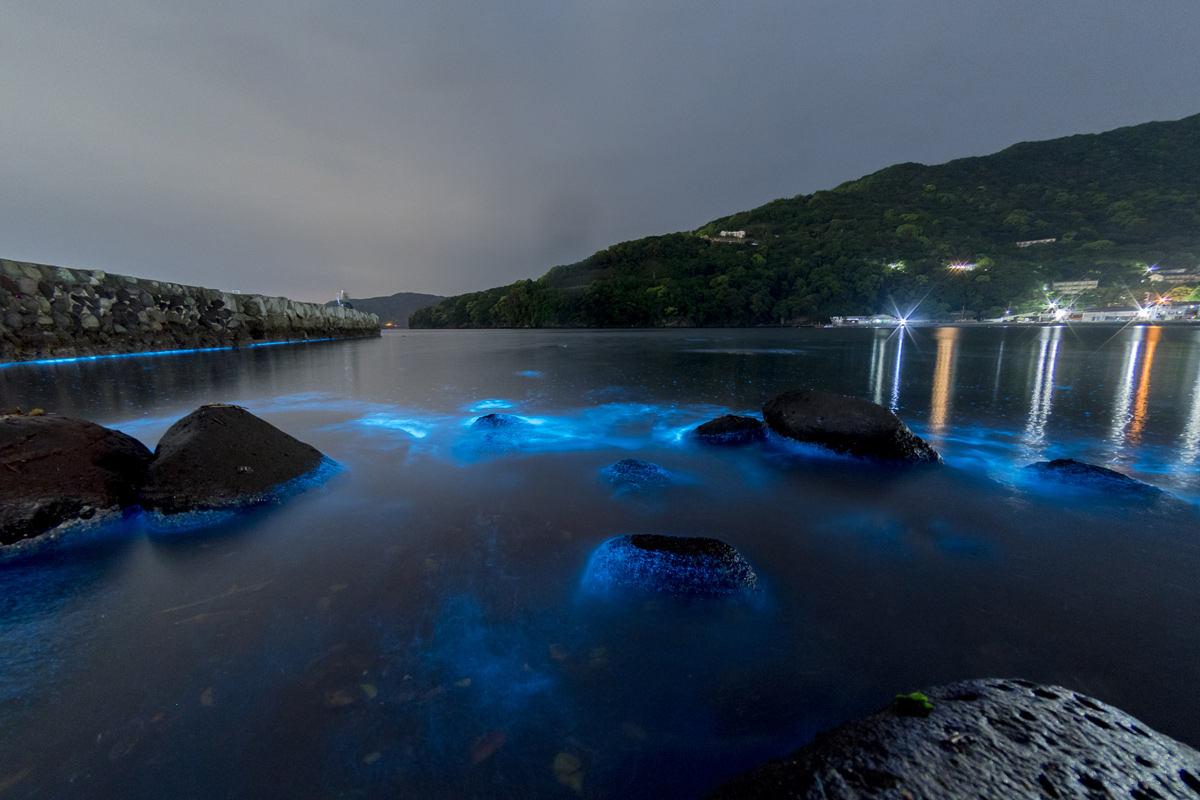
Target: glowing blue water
412, 625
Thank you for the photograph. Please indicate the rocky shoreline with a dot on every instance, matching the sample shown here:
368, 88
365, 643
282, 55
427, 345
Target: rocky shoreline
52, 312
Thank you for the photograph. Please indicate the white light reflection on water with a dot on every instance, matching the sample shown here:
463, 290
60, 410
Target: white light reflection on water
1124, 396
895, 404
1043, 387
1189, 447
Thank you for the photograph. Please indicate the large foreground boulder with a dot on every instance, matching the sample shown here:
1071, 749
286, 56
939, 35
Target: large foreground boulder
847, 425
993, 739
56, 470
1089, 476
688, 566
223, 457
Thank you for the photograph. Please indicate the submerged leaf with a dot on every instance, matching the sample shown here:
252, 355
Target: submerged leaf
568, 770
206, 697
488, 744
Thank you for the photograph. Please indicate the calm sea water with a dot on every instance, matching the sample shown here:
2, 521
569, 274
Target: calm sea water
415, 628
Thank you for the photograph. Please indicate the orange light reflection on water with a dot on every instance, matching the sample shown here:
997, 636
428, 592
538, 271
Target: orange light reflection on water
943, 379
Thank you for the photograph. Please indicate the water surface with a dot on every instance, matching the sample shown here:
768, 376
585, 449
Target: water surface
415, 627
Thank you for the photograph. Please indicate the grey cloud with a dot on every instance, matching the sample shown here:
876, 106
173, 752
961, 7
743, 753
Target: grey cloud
304, 147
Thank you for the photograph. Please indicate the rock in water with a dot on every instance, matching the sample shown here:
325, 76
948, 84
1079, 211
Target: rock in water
983, 738
847, 425
731, 429
633, 474
223, 457
691, 566
499, 422
56, 469
1102, 479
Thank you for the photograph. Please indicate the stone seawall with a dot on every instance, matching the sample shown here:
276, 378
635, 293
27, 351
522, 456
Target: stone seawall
54, 312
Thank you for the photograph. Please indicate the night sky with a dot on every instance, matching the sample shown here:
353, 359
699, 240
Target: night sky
299, 148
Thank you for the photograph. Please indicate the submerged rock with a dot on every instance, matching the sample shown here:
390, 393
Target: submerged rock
1101, 479
691, 566
498, 422
847, 425
982, 738
56, 470
223, 457
632, 474
731, 429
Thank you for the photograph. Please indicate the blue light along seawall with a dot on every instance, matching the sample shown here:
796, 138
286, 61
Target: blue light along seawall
53, 312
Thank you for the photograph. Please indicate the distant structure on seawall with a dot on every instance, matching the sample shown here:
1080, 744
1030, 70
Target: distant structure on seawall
52, 312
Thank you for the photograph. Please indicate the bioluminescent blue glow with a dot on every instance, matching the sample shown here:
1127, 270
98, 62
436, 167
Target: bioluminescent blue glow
490, 403
530, 373
416, 428
633, 475
183, 351
678, 566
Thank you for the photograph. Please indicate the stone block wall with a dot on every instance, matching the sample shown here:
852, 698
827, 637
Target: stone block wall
54, 312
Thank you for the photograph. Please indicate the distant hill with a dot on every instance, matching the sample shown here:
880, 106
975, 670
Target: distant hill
973, 237
393, 311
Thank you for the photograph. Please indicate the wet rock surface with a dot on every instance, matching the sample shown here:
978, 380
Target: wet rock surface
56, 470
691, 566
731, 429
222, 457
633, 474
499, 422
847, 425
983, 739
1090, 476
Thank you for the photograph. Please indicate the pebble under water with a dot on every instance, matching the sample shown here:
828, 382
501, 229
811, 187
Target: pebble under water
417, 623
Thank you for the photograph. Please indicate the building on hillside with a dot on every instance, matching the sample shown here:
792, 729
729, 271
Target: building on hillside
734, 234
1173, 276
1074, 286
1032, 242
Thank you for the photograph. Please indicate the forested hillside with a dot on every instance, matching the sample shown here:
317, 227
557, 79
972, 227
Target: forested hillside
943, 239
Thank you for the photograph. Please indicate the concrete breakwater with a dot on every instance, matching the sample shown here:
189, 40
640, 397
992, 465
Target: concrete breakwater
54, 312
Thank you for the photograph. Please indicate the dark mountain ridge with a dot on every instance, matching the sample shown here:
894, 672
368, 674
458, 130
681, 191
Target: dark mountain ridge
971, 238
394, 310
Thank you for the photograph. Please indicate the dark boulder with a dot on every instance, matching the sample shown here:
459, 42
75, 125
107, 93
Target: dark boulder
690, 566
731, 429
223, 457
56, 470
633, 474
982, 738
847, 425
1089, 476
498, 422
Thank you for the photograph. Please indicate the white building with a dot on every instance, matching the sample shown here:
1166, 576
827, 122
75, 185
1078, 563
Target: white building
1074, 286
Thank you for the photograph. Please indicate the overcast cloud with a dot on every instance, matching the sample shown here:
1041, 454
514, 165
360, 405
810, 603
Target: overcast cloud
303, 147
